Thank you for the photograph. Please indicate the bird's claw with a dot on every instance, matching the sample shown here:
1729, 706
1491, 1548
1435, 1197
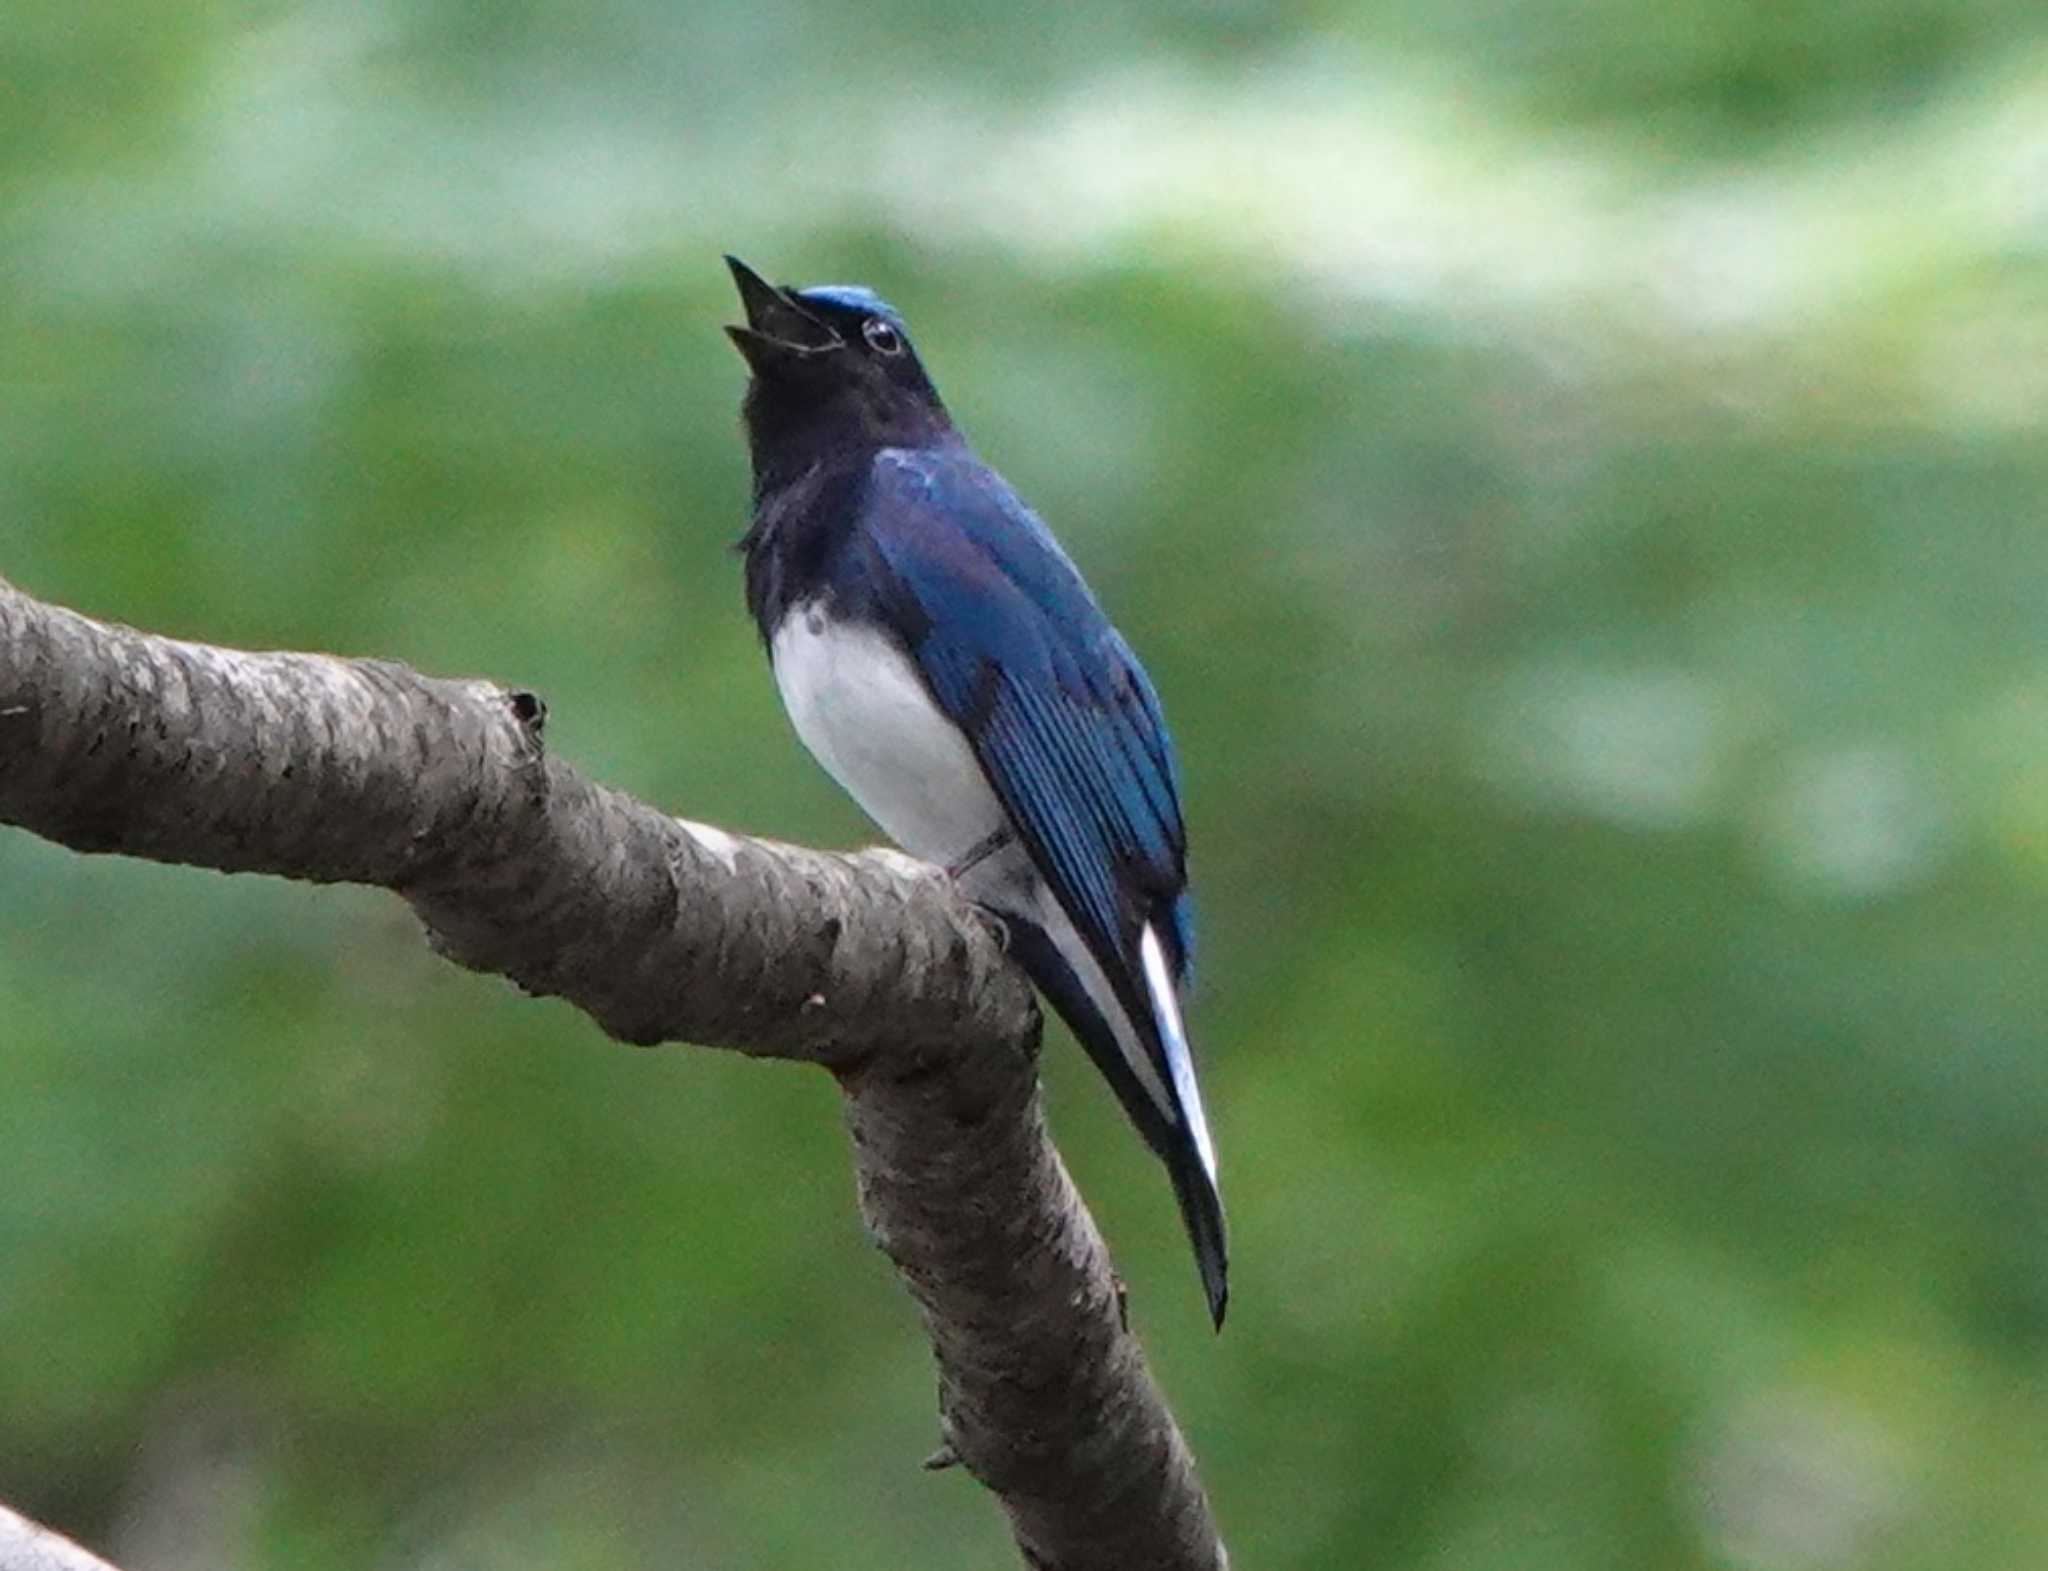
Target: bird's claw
984, 848
998, 928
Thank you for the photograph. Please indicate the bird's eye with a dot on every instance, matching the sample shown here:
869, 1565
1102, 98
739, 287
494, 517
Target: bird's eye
881, 337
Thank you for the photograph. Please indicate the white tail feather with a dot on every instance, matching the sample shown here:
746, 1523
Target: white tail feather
1173, 1038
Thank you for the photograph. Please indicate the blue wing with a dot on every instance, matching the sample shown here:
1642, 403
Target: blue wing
1068, 730
1059, 712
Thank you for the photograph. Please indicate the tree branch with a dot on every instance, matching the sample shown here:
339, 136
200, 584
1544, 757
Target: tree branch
329, 770
27, 1547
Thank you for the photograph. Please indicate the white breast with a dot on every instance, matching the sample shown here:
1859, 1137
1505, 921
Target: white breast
865, 714
863, 711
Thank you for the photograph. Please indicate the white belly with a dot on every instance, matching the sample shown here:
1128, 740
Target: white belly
865, 714
863, 711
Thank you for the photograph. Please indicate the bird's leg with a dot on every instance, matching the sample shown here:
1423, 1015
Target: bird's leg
997, 926
995, 840
980, 852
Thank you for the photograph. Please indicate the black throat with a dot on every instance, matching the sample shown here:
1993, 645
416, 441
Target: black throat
813, 437
800, 424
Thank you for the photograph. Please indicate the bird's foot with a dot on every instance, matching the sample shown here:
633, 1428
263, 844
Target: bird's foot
978, 853
997, 926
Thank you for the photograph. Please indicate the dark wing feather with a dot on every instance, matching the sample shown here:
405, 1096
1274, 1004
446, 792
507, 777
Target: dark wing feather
1068, 730
1058, 711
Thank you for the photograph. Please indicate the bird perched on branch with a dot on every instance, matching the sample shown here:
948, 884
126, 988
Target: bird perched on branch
940, 655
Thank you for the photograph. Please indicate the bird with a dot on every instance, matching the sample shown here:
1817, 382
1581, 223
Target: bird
940, 655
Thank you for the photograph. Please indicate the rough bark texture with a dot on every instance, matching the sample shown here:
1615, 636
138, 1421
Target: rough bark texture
331, 770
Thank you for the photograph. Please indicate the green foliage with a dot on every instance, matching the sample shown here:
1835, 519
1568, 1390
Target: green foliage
1608, 675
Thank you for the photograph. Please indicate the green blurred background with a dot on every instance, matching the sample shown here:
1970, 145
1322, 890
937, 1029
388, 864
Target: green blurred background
1575, 472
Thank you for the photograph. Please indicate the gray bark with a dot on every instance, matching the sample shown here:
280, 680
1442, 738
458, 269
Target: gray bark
331, 770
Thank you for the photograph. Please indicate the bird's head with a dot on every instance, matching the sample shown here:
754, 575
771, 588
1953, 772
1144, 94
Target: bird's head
833, 368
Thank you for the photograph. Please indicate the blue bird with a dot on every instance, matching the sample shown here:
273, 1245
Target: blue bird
941, 657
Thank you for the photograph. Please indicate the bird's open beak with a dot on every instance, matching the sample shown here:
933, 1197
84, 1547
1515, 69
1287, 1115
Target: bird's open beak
777, 327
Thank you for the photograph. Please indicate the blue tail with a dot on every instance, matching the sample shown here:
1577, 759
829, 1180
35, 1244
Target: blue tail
1172, 1127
